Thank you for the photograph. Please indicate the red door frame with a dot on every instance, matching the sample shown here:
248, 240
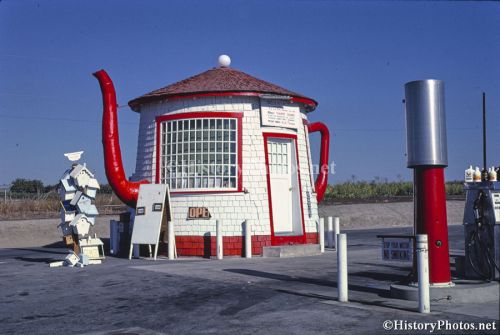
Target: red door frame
282, 240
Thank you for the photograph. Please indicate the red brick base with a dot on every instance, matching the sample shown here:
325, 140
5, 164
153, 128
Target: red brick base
312, 238
205, 246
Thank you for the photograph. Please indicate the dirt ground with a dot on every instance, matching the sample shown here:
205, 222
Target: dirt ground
384, 215
40, 232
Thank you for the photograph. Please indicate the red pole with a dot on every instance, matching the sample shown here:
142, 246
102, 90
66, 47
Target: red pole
430, 211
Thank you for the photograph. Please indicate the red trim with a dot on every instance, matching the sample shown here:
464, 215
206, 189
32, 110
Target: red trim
281, 240
312, 238
157, 178
205, 191
125, 190
322, 179
205, 246
195, 115
306, 101
313, 104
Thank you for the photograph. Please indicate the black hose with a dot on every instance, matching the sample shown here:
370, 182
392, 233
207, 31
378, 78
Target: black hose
491, 253
480, 244
473, 245
484, 251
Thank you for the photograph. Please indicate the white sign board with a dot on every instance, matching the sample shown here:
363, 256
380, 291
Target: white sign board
280, 116
153, 204
397, 249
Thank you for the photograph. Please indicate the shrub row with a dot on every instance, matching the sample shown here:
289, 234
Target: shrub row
366, 190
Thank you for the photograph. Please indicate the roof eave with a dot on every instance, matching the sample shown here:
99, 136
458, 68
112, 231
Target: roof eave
135, 104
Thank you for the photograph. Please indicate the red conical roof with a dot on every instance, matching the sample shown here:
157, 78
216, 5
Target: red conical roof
220, 81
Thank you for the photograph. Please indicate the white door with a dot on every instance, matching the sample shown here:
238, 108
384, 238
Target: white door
284, 187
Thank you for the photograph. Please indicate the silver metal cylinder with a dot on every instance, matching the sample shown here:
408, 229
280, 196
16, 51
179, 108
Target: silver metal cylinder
426, 143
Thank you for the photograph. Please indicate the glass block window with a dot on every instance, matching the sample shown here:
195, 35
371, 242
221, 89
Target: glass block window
199, 154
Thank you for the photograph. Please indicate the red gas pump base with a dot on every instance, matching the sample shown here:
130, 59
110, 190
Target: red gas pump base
431, 219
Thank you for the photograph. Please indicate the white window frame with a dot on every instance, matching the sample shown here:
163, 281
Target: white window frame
183, 163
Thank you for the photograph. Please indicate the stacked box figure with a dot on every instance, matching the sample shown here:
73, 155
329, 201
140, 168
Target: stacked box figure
77, 189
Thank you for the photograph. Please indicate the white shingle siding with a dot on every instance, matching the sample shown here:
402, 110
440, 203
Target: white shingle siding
231, 208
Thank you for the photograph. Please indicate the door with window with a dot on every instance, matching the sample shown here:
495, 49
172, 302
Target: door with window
284, 190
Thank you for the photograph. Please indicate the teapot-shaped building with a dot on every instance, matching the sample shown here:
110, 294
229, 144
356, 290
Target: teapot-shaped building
232, 148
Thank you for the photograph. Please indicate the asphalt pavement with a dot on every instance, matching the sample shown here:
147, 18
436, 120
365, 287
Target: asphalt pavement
229, 296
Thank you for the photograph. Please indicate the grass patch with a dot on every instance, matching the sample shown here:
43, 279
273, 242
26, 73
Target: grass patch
374, 189
46, 205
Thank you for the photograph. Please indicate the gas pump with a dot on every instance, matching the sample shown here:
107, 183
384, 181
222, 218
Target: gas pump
482, 230
482, 222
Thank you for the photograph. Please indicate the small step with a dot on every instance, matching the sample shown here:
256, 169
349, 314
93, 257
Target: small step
294, 250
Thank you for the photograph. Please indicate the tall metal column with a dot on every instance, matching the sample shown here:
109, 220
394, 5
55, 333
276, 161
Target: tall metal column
427, 155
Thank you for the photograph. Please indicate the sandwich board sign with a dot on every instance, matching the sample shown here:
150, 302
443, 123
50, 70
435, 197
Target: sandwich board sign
153, 207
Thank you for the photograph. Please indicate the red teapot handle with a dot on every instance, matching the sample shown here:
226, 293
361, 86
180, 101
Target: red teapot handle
322, 179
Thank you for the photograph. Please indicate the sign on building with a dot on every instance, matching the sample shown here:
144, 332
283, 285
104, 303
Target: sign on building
195, 213
274, 115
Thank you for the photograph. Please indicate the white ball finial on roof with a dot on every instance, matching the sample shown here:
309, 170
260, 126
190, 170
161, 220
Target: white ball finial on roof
224, 61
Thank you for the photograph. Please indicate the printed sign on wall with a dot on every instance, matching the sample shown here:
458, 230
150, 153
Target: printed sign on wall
277, 115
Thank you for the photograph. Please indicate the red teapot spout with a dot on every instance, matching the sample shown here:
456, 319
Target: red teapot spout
124, 189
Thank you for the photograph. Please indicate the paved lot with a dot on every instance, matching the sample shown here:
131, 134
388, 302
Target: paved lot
231, 296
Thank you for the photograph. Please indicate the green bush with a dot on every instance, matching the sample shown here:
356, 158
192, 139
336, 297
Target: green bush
21, 185
455, 188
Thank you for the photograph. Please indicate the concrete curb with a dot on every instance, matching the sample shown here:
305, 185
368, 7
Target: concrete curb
464, 291
297, 250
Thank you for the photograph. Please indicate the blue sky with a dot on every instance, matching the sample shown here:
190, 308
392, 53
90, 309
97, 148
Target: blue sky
352, 57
